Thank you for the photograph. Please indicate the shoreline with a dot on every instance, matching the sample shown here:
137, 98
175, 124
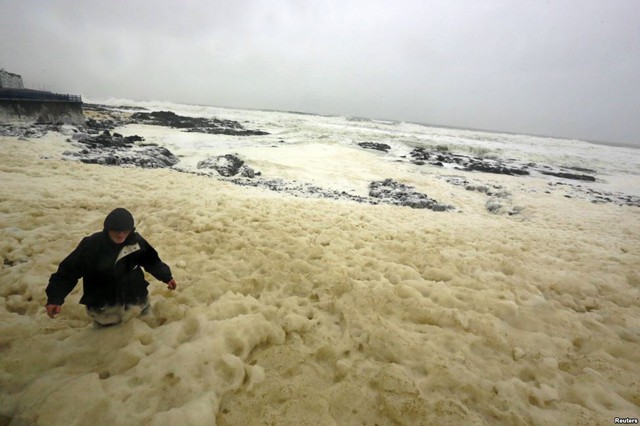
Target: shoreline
437, 126
106, 149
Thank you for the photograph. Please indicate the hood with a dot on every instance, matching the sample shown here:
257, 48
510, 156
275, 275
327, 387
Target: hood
119, 220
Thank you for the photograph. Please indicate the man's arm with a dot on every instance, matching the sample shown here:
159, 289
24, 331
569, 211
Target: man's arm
151, 262
65, 279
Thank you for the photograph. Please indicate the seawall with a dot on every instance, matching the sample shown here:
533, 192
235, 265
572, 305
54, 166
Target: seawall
41, 112
39, 107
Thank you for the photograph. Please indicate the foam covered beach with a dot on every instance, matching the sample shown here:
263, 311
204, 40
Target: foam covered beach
317, 311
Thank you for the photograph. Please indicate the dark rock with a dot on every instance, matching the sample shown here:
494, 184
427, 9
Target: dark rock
194, 124
478, 188
27, 131
145, 157
106, 139
165, 118
248, 172
570, 176
440, 158
134, 138
420, 154
110, 119
580, 169
374, 145
227, 165
226, 131
116, 150
299, 189
393, 192
495, 168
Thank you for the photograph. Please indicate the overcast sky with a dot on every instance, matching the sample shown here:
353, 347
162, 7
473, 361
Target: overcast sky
559, 67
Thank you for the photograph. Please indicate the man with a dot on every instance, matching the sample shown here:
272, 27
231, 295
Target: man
109, 263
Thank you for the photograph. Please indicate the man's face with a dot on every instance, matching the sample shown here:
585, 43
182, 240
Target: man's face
118, 237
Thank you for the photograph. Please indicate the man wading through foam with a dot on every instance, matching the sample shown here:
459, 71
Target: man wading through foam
109, 263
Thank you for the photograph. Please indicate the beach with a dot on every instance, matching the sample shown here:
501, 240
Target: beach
300, 310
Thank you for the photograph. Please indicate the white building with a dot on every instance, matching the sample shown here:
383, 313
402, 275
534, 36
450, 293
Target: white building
10, 81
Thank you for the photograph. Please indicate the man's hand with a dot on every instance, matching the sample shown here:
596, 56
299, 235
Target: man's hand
53, 310
171, 285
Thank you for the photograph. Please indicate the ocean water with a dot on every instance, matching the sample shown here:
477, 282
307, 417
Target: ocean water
295, 310
616, 168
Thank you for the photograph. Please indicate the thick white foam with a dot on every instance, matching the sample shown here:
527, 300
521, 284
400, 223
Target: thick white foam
295, 310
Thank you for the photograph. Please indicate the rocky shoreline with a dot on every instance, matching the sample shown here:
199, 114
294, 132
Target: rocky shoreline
422, 156
439, 158
196, 125
115, 150
96, 144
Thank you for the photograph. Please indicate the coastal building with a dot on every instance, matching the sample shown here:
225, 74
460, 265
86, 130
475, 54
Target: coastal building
18, 104
10, 81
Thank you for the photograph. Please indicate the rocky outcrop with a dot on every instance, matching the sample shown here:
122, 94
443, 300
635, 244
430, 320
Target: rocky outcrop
496, 168
374, 145
101, 118
116, 150
423, 156
228, 165
301, 189
194, 124
380, 192
572, 176
393, 192
579, 191
29, 130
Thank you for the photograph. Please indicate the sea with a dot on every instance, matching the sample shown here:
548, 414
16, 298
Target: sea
616, 168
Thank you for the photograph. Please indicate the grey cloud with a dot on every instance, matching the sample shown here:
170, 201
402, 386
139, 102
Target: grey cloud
564, 68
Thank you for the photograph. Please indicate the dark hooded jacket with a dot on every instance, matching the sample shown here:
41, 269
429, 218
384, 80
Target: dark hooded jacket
111, 272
